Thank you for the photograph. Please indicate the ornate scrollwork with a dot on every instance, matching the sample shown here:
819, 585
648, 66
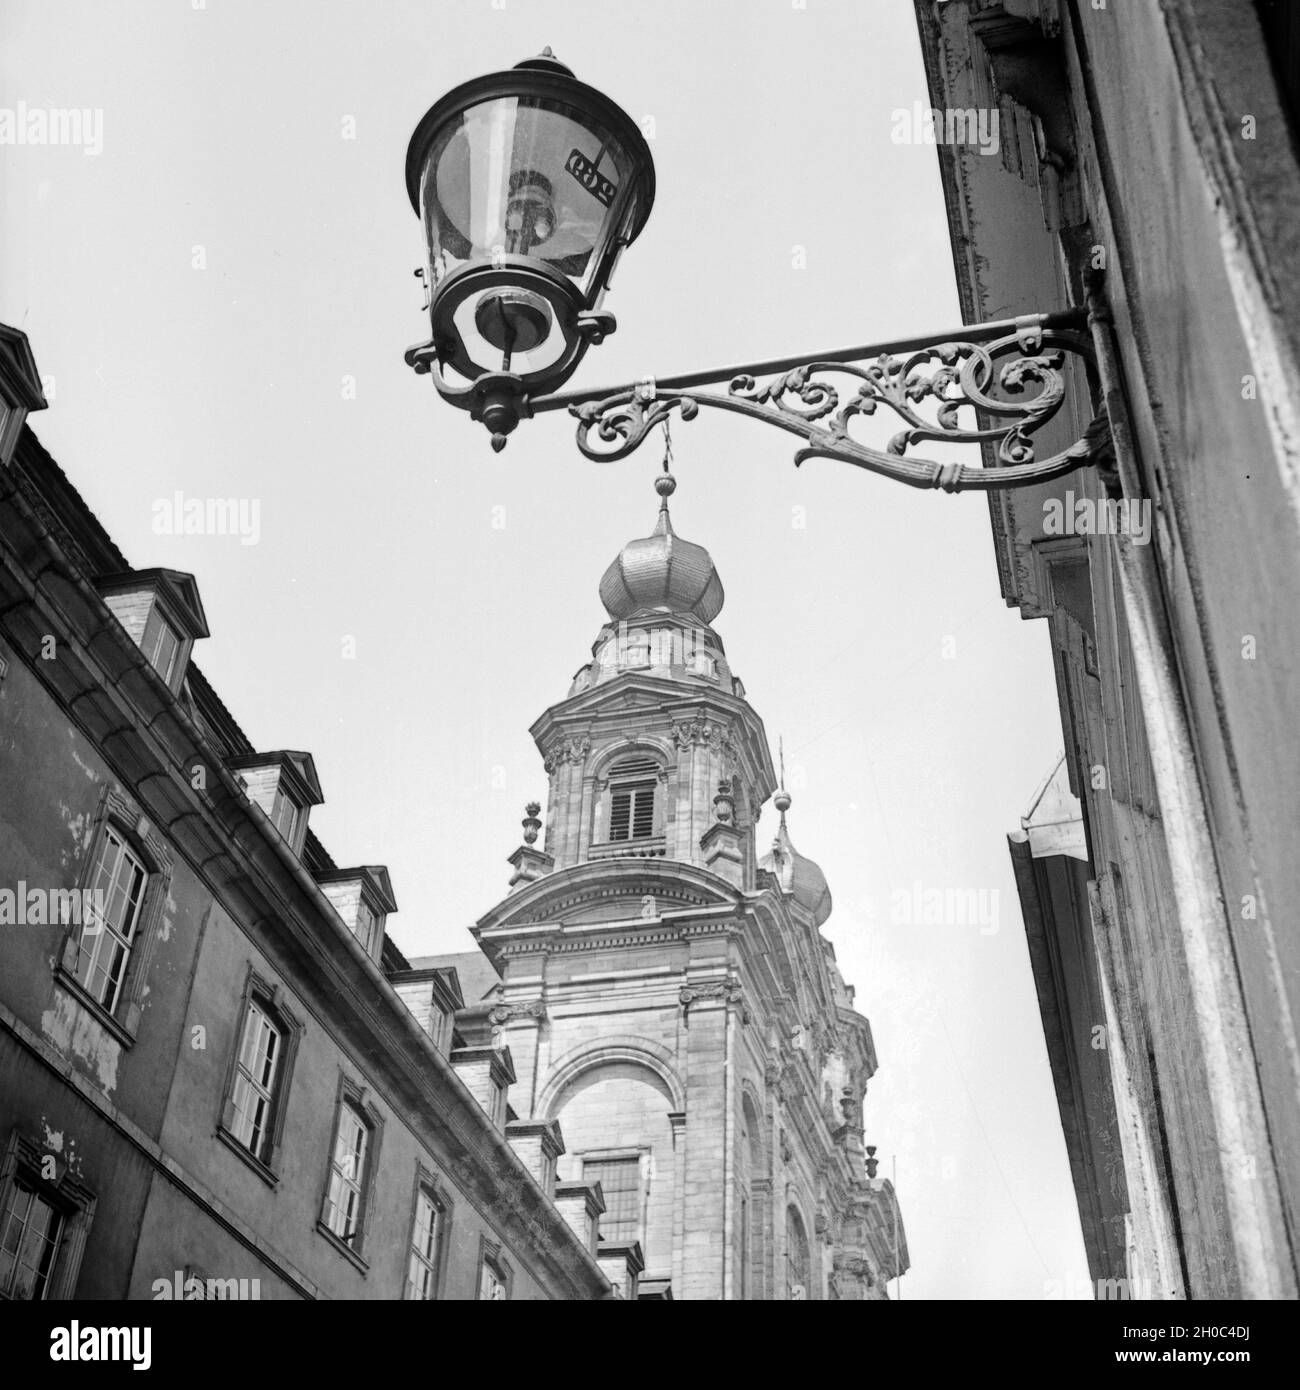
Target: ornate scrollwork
730, 991
505, 1013
1014, 383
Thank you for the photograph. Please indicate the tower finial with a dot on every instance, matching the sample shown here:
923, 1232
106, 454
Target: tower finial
666, 484
782, 800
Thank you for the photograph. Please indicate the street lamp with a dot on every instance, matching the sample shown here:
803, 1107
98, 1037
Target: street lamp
530, 184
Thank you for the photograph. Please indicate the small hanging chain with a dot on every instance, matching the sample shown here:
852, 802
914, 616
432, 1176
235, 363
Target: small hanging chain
668, 445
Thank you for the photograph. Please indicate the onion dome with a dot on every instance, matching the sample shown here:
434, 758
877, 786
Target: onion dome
798, 876
663, 572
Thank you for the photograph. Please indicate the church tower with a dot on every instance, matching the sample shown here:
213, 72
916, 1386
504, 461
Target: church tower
674, 1017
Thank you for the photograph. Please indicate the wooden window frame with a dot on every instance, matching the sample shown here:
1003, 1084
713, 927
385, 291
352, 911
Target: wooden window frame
369, 923
163, 625
490, 1257
71, 1198
271, 998
140, 836
352, 1095
426, 1181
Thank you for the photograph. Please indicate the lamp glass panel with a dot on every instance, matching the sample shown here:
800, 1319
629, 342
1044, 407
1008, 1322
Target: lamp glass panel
525, 176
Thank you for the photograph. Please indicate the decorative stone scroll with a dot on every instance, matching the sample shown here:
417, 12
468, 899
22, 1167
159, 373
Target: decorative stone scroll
730, 991
703, 732
566, 750
506, 1013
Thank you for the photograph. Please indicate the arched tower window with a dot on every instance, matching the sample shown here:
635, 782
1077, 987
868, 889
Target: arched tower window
632, 799
796, 1256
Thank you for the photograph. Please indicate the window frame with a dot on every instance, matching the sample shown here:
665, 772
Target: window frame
70, 1198
491, 1260
165, 627
427, 1184
641, 1156
271, 999
282, 801
367, 925
116, 815
351, 1096
104, 933
645, 779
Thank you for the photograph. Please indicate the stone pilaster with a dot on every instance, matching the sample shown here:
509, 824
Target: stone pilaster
723, 849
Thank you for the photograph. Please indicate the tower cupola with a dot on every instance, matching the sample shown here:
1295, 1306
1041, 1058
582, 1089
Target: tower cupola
662, 572
797, 875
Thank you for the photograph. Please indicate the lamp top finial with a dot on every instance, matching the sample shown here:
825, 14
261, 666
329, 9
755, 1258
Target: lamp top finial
546, 61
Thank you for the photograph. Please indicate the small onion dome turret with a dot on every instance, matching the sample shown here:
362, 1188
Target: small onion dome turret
798, 876
662, 572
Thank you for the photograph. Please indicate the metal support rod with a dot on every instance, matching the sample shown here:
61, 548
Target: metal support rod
1064, 320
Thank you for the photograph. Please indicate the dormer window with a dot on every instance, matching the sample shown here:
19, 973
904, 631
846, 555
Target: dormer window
286, 816
161, 645
363, 898
285, 786
161, 613
364, 930
432, 993
633, 788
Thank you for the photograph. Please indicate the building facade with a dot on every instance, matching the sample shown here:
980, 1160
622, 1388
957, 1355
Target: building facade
221, 1078
666, 993
1146, 168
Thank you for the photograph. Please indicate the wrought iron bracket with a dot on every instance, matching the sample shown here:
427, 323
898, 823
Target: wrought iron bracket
1009, 376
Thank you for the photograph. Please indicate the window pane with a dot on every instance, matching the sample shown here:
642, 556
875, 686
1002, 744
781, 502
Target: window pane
492, 1284
160, 644
347, 1175
365, 928
105, 946
424, 1248
30, 1250
620, 1180
253, 1093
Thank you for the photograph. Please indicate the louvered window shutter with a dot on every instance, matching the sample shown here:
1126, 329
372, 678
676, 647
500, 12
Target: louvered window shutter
643, 811
632, 803
620, 813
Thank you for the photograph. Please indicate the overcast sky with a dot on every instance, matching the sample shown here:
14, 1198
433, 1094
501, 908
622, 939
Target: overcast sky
220, 298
